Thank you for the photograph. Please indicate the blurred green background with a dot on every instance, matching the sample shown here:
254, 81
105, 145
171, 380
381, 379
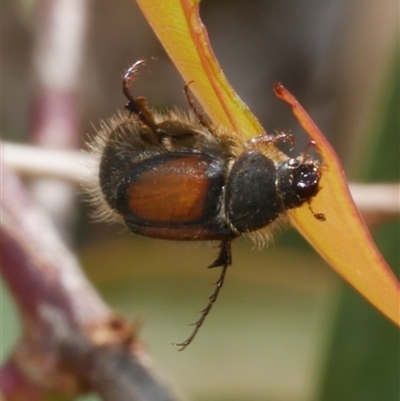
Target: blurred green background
285, 326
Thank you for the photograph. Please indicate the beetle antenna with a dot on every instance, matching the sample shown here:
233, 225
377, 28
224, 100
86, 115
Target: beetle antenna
137, 106
224, 260
318, 216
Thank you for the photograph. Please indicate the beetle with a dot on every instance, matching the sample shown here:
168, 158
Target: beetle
177, 176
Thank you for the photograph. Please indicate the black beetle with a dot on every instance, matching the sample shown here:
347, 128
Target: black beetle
178, 177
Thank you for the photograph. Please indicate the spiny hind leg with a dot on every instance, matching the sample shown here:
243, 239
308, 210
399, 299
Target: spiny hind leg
224, 259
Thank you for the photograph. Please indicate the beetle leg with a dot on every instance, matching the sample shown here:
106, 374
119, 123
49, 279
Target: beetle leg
224, 259
200, 116
273, 139
310, 143
137, 106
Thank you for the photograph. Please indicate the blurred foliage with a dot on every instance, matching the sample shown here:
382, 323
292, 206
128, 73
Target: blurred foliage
363, 362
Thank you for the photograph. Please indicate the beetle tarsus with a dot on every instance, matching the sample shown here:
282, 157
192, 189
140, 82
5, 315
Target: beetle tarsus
273, 139
137, 106
200, 116
310, 143
224, 260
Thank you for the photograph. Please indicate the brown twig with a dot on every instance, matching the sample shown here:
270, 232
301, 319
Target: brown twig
72, 342
59, 35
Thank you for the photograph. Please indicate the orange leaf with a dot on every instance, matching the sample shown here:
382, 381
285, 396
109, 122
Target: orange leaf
342, 240
180, 30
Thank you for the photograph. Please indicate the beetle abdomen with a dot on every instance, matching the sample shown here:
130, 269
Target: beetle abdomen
175, 192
